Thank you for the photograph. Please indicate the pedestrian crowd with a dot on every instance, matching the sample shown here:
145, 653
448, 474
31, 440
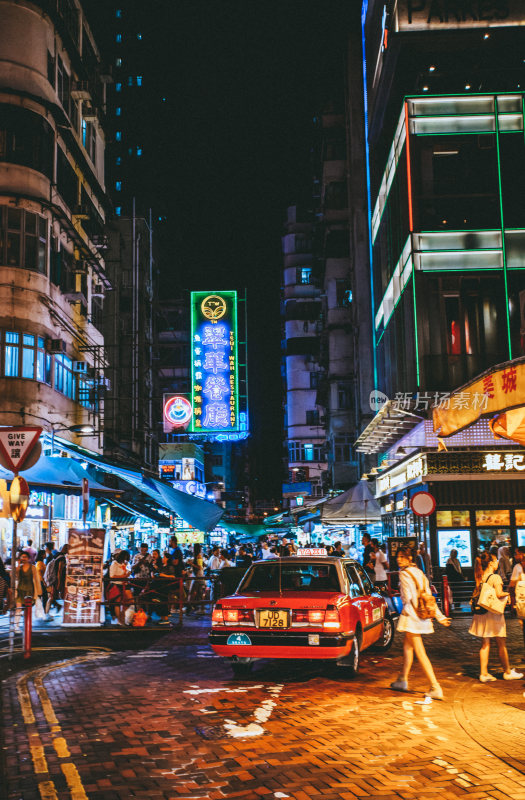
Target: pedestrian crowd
138, 585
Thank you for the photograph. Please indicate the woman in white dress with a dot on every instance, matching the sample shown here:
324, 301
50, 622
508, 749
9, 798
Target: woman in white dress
491, 625
410, 578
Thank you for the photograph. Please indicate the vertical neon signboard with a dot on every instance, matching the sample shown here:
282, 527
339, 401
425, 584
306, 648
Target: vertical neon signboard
214, 362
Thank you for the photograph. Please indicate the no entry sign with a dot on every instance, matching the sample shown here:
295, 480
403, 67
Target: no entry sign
423, 504
16, 445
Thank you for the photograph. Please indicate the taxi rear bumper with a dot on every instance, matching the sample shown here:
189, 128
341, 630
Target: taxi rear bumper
282, 644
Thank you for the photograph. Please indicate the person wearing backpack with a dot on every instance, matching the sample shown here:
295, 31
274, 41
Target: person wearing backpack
517, 586
489, 625
419, 609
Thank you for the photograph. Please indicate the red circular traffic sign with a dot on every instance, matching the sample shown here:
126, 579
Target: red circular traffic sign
423, 504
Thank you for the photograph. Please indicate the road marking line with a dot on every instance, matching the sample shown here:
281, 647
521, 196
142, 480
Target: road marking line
60, 745
73, 781
39, 759
25, 700
47, 790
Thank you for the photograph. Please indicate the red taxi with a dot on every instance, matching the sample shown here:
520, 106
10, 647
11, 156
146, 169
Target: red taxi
308, 606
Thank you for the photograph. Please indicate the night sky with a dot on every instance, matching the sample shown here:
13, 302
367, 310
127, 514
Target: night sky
230, 150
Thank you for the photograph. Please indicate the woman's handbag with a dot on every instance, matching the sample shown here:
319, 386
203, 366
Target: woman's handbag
489, 600
39, 609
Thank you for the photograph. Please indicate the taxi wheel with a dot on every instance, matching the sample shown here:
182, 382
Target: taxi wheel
387, 636
241, 667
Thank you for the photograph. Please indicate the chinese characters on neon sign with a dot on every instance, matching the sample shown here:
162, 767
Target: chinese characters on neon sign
214, 362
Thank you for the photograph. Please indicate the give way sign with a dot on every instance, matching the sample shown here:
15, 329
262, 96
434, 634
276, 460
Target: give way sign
16, 445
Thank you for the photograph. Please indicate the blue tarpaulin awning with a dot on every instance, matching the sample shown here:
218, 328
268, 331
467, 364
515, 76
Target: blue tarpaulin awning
200, 514
60, 475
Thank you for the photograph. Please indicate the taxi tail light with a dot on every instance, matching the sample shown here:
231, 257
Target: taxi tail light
239, 615
217, 617
331, 619
316, 617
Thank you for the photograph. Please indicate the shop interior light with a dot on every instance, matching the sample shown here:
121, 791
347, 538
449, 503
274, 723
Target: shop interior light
425, 88
467, 86
486, 35
373, 471
364, 476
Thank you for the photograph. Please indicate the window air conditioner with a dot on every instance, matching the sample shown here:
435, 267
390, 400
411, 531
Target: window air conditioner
55, 346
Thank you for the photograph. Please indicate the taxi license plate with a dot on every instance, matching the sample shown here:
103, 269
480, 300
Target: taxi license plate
270, 618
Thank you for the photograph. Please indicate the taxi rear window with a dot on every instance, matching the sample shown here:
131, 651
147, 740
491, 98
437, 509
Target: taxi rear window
296, 577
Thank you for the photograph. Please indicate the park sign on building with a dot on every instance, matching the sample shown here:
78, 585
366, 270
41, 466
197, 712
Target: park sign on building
217, 413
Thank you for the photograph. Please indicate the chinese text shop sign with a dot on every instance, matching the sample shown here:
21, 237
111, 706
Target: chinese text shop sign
214, 365
501, 389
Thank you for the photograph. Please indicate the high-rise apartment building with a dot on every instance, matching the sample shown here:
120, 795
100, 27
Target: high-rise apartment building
52, 212
445, 153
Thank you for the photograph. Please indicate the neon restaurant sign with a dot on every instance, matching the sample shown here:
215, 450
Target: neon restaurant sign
214, 364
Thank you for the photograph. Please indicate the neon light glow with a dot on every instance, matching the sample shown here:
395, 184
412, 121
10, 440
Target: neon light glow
177, 411
215, 396
409, 173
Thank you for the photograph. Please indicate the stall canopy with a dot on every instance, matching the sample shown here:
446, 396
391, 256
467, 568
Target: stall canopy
356, 506
59, 475
200, 514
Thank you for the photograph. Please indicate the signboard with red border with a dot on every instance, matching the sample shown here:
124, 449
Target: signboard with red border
16, 445
423, 504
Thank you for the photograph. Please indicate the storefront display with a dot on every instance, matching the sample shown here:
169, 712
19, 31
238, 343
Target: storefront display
492, 518
83, 599
454, 540
521, 537
453, 518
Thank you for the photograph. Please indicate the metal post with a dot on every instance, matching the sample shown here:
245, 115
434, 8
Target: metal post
28, 625
12, 615
445, 597
181, 601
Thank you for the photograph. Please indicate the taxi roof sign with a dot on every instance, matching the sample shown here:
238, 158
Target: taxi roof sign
312, 551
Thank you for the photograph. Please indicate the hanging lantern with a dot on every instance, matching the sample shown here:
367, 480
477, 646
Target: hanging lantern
18, 498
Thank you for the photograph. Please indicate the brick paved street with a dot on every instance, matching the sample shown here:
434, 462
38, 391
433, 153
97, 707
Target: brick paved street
171, 722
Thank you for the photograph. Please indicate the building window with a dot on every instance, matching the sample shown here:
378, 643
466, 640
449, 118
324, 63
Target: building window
139, 80
118, 62
139, 152
26, 139
312, 417
118, 13
315, 380
118, 161
130, 80
63, 86
118, 136
118, 111
23, 239
118, 87
139, 36
304, 451
118, 211
89, 139
11, 354
118, 186
343, 293
344, 395
118, 38
304, 275
28, 356
343, 449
